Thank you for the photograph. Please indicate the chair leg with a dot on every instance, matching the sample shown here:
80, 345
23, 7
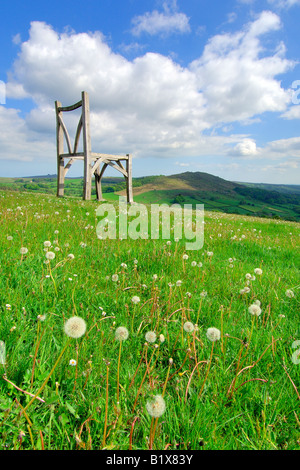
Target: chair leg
129, 180
98, 185
60, 177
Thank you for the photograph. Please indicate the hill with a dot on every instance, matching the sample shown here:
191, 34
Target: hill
217, 194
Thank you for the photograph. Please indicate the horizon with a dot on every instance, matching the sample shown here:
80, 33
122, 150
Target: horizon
49, 175
179, 85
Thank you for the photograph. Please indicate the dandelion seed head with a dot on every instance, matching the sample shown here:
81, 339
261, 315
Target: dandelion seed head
75, 327
50, 255
121, 333
258, 271
254, 309
135, 299
150, 336
289, 293
114, 277
296, 357
213, 334
47, 243
156, 406
188, 327
23, 250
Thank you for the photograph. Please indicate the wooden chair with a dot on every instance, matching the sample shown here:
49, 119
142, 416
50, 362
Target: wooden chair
92, 161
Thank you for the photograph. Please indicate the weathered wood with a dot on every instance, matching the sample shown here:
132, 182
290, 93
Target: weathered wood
129, 179
92, 160
60, 149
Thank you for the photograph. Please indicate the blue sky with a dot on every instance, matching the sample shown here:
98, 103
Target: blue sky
191, 85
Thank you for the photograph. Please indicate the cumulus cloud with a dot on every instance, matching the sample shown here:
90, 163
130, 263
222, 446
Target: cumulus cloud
237, 76
150, 106
167, 22
246, 148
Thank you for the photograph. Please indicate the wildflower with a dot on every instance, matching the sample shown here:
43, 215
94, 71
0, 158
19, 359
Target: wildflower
114, 277
50, 255
135, 299
72, 362
150, 336
47, 243
156, 406
213, 334
75, 327
188, 327
289, 293
23, 250
254, 309
121, 333
258, 271
245, 290
8, 307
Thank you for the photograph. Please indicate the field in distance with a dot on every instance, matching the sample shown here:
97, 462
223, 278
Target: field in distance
217, 194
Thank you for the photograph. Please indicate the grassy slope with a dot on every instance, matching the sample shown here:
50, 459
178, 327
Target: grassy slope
192, 188
250, 398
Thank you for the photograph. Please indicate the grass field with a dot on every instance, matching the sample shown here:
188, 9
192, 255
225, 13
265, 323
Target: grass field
236, 387
188, 188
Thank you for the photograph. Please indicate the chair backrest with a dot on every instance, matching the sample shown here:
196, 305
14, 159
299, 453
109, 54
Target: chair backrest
83, 126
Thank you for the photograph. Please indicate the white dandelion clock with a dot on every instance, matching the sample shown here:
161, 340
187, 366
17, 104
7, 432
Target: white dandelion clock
121, 333
188, 327
156, 406
213, 334
150, 336
75, 327
50, 255
254, 309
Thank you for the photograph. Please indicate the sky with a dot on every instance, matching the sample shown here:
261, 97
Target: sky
182, 85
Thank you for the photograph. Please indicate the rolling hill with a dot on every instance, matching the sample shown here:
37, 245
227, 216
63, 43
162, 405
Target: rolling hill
217, 194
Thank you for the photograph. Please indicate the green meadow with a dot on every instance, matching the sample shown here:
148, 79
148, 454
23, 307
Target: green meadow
208, 354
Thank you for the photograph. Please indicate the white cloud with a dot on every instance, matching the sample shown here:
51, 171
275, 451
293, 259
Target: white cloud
18, 142
246, 148
168, 22
237, 77
292, 113
150, 106
284, 4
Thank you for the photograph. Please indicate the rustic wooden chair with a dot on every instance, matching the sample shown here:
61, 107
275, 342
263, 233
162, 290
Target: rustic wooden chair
92, 161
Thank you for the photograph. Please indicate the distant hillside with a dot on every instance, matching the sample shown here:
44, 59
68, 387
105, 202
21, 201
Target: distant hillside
281, 188
217, 194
